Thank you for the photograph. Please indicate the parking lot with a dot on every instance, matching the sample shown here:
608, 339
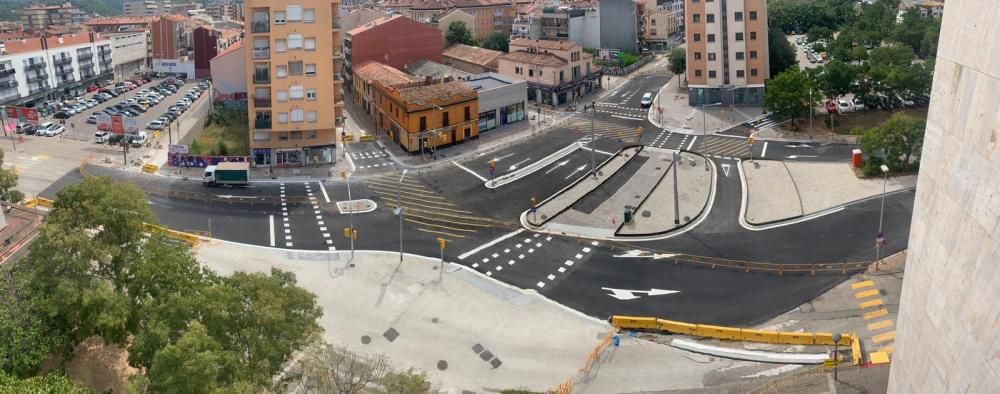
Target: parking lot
41, 160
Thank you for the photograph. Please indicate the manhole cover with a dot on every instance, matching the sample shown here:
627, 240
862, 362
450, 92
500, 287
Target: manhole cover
646, 214
477, 348
366, 339
391, 334
442, 365
486, 355
496, 363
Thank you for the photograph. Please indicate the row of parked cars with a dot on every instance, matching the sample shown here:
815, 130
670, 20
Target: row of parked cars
807, 47
142, 102
858, 104
79, 105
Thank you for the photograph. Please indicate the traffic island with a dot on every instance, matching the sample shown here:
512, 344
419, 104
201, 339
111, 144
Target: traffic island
656, 215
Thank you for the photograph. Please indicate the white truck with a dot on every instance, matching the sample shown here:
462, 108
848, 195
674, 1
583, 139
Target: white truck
227, 174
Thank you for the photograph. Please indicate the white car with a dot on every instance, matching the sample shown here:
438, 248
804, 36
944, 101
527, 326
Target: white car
51, 130
647, 100
155, 125
844, 106
858, 104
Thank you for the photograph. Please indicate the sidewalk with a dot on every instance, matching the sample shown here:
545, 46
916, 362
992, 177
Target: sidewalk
679, 117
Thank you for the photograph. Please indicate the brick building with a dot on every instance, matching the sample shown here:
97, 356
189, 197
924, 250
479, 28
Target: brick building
427, 114
206, 45
394, 40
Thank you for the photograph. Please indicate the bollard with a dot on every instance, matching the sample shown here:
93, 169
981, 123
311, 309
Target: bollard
616, 340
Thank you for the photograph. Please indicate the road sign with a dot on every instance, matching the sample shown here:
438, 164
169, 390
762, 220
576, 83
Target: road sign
442, 242
491, 171
177, 148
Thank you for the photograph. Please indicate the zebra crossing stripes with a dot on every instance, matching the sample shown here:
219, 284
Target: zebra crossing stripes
602, 129
722, 146
371, 159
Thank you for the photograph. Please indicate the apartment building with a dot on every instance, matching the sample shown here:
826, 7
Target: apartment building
369, 72
37, 69
473, 60
609, 24
727, 57
426, 115
556, 71
129, 52
662, 20
294, 80
394, 40
225, 10
490, 16
41, 17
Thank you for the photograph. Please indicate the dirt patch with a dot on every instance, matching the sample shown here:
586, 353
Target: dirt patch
100, 367
844, 123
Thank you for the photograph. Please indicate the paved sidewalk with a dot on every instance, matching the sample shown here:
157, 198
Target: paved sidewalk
679, 117
656, 214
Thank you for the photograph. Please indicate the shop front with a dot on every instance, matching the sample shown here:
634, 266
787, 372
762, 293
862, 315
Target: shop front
294, 157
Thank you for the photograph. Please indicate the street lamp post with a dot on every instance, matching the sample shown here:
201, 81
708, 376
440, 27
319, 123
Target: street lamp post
593, 113
350, 210
677, 207
836, 356
704, 125
399, 212
812, 108
880, 238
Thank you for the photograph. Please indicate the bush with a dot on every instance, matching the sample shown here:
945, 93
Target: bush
872, 166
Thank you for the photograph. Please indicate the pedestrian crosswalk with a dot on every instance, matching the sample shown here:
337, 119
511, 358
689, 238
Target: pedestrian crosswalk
764, 122
604, 129
622, 111
722, 146
372, 158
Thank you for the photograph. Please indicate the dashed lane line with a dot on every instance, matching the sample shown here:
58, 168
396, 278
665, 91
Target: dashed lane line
489, 244
272, 229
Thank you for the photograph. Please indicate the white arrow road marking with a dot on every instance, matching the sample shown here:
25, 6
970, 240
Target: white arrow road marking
625, 294
798, 146
578, 169
797, 156
725, 169
514, 166
645, 255
556, 167
763, 152
503, 157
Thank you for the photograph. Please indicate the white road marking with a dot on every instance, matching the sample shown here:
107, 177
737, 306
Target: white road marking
469, 171
586, 250
578, 169
569, 263
626, 117
488, 244
514, 166
557, 165
691, 145
323, 189
540, 284
499, 268
579, 256
510, 262
626, 294
562, 269
551, 277
763, 152
272, 230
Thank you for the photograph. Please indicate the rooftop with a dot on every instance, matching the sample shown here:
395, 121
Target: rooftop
387, 75
35, 44
471, 54
487, 81
429, 68
130, 20
539, 58
440, 92
543, 44
232, 48
374, 23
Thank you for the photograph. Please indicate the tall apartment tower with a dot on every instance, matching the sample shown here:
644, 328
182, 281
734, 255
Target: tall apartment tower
726, 51
293, 78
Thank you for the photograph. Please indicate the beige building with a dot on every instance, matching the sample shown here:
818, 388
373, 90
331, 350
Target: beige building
557, 71
293, 77
473, 60
444, 19
727, 58
661, 22
368, 73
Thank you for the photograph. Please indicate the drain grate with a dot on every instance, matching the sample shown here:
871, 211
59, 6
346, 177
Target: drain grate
391, 334
366, 339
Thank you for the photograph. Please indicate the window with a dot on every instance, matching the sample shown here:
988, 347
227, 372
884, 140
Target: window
294, 13
296, 92
740, 74
279, 17
294, 41
296, 135
311, 116
310, 94
711, 38
283, 136
295, 67
282, 96
309, 15
309, 44
531, 73
753, 72
281, 71
739, 55
753, 15
311, 134
283, 118
753, 35
311, 69
709, 18
280, 45
738, 16
517, 70
711, 73
298, 115
739, 36
753, 54
444, 120
423, 123
697, 73
467, 114
711, 56
697, 56
695, 18
697, 37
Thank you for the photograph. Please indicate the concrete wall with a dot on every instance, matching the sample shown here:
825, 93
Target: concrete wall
396, 43
229, 72
618, 25
950, 305
585, 30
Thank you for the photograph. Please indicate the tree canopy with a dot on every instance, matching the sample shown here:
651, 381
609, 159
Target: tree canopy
678, 61
798, 16
459, 32
8, 180
898, 140
788, 95
497, 42
780, 52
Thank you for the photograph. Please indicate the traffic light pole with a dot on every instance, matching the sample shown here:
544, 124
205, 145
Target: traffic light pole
677, 207
350, 210
593, 113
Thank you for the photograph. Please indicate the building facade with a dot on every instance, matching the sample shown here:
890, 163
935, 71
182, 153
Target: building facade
949, 308
41, 17
473, 60
39, 69
444, 20
129, 52
293, 77
353, 19
662, 20
366, 74
557, 72
727, 55
229, 73
206, 47
503, 100
427, 115
394, 40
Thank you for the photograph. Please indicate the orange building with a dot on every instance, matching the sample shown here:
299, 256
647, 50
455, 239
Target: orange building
727, 56
427, 114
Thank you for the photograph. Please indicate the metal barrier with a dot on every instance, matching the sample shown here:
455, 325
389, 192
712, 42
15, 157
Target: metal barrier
190, 239
366, 138
150, 168
738, 334
39, 202
593, 358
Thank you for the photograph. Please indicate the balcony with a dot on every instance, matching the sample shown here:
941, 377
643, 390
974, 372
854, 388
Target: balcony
262, 123
262, 53
261, 76
6, 72
38, 77
34, 65
260, 26
104, 50
262, 102
58, 61
38, 89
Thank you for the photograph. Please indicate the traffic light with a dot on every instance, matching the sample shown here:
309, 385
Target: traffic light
534, 203
442, 242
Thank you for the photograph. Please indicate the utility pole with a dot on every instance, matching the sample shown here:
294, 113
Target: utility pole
593, 113
399, 212
880, 237
677, 207
811, 109
350, 210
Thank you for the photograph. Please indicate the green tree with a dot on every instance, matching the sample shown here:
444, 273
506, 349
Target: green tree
780, 52
409, 381
459, 33
788, 95
8, 180
28, 336
817, 33
195, 148
497, 42
195, 363
892, 55
220, 148
836, 78
678, 61
47, 384
898, 140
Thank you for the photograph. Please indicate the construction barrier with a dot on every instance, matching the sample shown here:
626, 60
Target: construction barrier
366, 138
150, 168
640, 323
347, 138
190, 239
39, 202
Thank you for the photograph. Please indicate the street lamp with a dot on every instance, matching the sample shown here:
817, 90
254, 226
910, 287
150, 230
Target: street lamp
350, 210
836, 357
880, 238
593, 113
399, 211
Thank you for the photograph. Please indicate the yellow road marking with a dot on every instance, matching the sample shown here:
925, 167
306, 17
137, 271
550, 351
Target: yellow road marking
437, 225
474, 221
887, 349
391, 197
878, 357
878, 313
867, 283
394, 185
407, 203
865, 294
440, 232
438, 219
884, 337
870, 303
879, 325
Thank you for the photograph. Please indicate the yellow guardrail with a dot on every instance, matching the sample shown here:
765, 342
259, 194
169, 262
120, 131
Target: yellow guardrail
190, 239
346, 138
366, 138
738, 334
39, 202
150, 168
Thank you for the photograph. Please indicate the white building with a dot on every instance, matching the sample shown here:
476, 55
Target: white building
146, 8
129, 52
39, 69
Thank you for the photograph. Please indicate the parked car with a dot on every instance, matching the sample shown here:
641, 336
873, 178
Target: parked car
843, 106
50, 129
26, 128
136, 108
92, 119
647, 100
155, 125
101, 137
92, 88
139, 139
63, 114
858, 104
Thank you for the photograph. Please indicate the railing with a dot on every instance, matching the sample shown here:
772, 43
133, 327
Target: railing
262, 123
29, 66
104, 50
262, 53
260, 27
261, 77
61, 60
6, 72
36, 77
262, 102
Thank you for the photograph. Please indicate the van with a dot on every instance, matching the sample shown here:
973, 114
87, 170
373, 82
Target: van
101, 137
139, 139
